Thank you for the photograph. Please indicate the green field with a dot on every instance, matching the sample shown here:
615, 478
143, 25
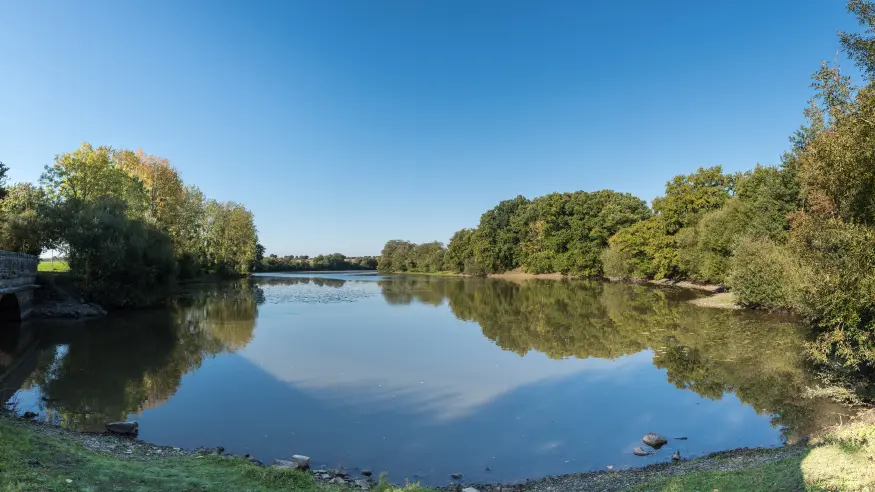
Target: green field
53, 266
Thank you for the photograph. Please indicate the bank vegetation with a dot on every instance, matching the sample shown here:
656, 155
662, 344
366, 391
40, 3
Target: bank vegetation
799, 235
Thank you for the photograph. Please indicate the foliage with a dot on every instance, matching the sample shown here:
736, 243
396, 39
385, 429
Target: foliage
404, 256
23, 213
687, 196
838, 292
335, 261
560, 232
460, 253
230, 238
650, 249
117, 260
642, 250
128, 223
496, 246
764, 199
764, 274
568, 231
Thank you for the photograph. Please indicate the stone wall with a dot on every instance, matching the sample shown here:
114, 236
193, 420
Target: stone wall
17, 269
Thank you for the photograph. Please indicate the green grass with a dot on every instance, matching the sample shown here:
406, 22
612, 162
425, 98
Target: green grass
30, 461
56, 266
843, 459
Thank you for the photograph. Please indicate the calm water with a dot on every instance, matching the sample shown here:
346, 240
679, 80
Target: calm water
423, 377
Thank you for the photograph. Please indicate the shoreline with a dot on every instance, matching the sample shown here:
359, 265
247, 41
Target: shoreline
115, 452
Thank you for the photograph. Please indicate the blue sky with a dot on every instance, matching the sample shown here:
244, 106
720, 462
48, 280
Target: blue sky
343, 124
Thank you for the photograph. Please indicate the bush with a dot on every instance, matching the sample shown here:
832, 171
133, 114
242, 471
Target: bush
642, 250
838, 293
116, 260
765, 275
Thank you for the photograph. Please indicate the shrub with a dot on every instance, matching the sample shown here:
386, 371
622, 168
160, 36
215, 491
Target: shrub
838, 292
764, 274
642, 250
116, 260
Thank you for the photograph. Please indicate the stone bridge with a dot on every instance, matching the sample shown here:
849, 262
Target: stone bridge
17, 281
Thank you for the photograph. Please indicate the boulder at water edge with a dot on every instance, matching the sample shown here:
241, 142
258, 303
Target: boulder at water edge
302, 461
123, 428
654, 440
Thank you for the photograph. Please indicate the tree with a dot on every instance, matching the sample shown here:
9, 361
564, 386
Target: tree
397, 256
88, 175
118, 260
4, 178
568, 231
460, 253
24, 214
499, 234
687, 196
230, 238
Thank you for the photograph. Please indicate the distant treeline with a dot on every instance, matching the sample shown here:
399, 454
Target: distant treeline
799, 236
560, 232
332, 262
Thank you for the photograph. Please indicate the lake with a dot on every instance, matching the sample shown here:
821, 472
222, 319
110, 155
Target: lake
425, 376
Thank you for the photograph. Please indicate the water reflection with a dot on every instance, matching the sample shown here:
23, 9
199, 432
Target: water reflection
395, 370
757, 356
104, 370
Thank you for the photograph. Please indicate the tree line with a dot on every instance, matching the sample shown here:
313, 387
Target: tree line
332, 262
559, 232
798, 236
128, 224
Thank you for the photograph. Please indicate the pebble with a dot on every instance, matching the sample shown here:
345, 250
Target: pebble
337, 480
456, 476
639, 451
470, 489
69, 481
367, 472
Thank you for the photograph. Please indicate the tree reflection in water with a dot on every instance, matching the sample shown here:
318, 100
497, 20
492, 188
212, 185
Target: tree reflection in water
758, 356
126, 363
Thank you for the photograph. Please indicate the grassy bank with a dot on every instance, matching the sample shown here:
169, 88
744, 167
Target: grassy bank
37, 457
843, 458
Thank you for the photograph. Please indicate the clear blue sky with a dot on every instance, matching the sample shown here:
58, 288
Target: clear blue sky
344, 124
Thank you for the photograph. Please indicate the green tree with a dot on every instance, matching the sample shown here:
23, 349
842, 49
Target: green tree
118, 260
460, 253
23, 219
496, 245
230, 236
688, 196
88, 175
568, 231
397, 256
